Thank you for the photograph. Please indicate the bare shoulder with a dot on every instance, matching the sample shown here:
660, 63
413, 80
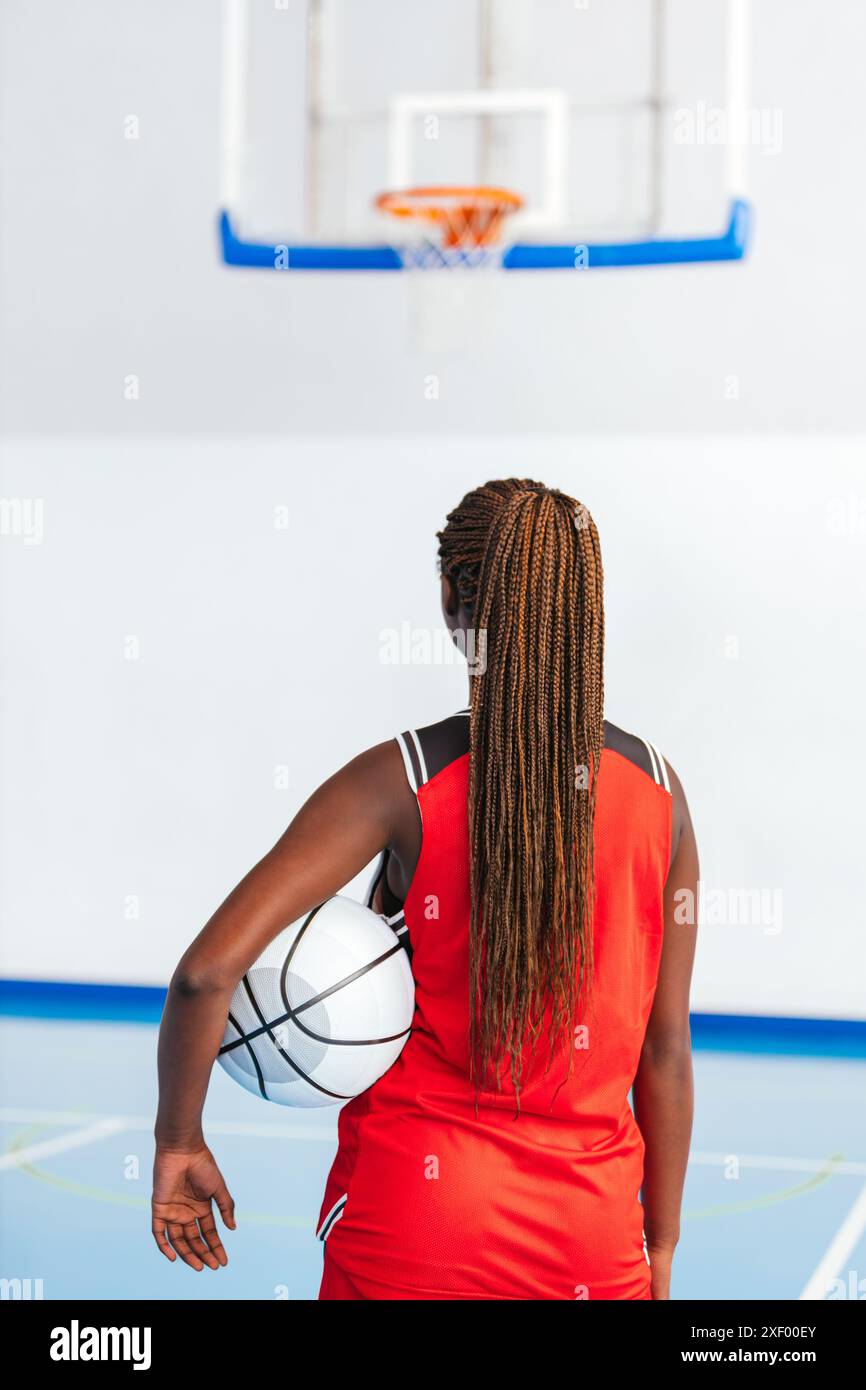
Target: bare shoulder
377, 776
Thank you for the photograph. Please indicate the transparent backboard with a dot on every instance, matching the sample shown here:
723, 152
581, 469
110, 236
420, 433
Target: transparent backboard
613, 119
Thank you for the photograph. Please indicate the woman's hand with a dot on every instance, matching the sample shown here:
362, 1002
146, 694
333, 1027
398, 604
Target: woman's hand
661, 1259
185, 1184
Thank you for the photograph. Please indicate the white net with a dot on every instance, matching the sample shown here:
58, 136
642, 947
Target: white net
427, 254
458, 229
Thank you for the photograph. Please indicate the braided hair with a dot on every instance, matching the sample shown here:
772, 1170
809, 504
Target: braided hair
525, 562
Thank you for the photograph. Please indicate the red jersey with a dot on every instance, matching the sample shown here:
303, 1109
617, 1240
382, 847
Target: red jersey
428, 1198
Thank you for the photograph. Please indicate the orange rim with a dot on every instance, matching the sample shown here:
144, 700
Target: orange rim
471, 215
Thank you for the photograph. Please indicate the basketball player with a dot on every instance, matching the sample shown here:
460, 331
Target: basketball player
543, 862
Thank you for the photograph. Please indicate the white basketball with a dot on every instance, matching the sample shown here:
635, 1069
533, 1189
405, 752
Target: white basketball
325, 1010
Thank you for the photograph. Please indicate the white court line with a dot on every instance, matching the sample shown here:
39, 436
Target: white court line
837, 1252
779, 1164
319, 1133
74, 1140
313, 1133
15, 1115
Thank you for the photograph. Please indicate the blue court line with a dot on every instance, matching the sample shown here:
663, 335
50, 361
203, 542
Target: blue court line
802, 1037
74, 999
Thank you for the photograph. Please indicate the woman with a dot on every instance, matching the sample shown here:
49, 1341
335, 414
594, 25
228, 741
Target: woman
537, 855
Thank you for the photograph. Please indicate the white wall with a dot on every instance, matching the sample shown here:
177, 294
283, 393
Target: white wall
153, 778
108, 265
712, 417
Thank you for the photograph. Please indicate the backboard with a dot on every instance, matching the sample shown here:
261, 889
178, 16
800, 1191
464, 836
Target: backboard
621, 124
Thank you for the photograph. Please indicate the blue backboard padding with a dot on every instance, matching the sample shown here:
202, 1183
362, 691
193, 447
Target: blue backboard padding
813, 1037
731, 245
272, 256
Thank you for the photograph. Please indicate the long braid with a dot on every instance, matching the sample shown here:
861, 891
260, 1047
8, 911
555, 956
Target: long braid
526, 564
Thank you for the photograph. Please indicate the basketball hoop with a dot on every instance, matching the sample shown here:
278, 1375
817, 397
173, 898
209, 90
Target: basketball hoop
469, 221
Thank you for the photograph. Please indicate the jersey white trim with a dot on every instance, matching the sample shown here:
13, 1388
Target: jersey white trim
657, 763
652, 757
332, 1217
407, 761
421, 759
374, 881
665, 780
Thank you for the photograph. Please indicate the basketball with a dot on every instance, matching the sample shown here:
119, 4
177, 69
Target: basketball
325, 1010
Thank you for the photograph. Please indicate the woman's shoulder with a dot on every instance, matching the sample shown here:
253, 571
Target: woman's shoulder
431, 748
645, 755
639, 751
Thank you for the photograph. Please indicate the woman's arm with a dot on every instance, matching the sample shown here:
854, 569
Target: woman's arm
663, 1088
339, 830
